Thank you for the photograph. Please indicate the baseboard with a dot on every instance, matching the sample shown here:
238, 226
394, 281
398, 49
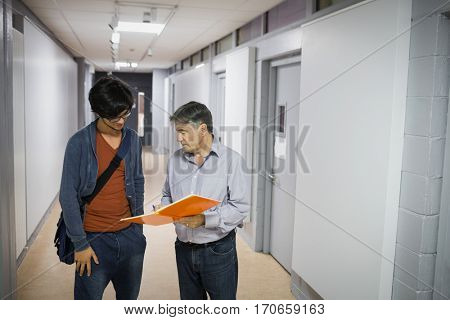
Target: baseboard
301, 289
36, 231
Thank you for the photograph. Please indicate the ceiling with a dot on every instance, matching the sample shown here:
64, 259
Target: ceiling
82, 25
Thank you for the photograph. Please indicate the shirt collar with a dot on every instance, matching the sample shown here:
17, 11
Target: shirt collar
215, 146
214, 149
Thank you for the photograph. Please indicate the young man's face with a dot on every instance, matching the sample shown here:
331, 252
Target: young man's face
189, 136
118, 122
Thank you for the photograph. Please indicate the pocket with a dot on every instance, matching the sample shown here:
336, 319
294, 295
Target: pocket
138, 230
222, 248
177, 243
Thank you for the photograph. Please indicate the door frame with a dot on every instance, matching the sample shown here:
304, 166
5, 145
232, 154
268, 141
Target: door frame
171, 131
268, 136
217, 123
8, 267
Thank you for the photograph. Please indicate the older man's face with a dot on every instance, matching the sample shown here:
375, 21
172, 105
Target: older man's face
189, 136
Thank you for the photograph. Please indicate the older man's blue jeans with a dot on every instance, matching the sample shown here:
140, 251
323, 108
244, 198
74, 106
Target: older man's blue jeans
121, 258
208, 269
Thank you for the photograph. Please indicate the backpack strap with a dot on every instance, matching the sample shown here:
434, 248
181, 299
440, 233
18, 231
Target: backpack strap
115, 163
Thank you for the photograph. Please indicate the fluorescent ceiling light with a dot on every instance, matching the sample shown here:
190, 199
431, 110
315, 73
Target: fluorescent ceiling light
122, 64
200, 65
140, 27
115, 37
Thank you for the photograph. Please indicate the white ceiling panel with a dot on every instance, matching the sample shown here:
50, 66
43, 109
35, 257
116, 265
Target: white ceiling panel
40, 3
44, 13
201, 13
93, 17
182, 22
241, 16
88, 5
89, 28
213, 4
258, 5
223, 27
193, 25
163, 2
57, 25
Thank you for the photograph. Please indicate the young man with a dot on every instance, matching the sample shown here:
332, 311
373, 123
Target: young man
105, 249
206, 243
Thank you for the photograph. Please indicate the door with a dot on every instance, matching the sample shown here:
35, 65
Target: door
286, 99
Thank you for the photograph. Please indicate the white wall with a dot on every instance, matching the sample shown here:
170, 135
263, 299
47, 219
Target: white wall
159, 111
239, 101
50, 118
89, 116
192, 85
353, 97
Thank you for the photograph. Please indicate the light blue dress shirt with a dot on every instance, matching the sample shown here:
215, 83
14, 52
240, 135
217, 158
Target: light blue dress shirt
223, 177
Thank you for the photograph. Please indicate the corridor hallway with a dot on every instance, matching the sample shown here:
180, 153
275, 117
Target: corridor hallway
42, 276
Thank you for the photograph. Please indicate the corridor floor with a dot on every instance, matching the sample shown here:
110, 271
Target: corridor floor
42, 276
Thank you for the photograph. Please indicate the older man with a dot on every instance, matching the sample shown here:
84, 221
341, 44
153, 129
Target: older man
206, 243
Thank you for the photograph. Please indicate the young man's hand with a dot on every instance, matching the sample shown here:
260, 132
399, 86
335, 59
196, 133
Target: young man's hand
83, 260
193, 221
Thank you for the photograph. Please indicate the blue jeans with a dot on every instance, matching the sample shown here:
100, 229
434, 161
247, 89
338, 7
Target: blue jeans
121, 257
210, 268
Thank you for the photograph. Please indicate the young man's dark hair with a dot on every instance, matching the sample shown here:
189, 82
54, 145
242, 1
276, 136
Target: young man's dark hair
195, 113
110, 96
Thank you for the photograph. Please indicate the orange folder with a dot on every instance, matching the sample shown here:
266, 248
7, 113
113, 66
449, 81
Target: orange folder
190, 205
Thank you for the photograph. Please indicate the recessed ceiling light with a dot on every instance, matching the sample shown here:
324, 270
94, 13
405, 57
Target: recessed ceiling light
123, 64
115, 37
140, 27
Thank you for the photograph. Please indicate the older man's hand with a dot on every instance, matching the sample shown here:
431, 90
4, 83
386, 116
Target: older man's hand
193, 221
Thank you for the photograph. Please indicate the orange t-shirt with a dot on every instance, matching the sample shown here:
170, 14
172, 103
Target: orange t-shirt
111, 203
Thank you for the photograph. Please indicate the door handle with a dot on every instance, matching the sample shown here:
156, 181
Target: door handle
272, 177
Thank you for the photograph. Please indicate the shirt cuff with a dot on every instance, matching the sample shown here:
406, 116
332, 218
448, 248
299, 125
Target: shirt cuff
165, 201
81, 244
212, 219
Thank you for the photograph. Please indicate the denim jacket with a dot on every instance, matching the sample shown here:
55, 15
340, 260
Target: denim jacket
80, 175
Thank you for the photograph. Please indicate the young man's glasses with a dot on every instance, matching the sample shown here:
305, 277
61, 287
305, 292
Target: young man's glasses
117, 119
